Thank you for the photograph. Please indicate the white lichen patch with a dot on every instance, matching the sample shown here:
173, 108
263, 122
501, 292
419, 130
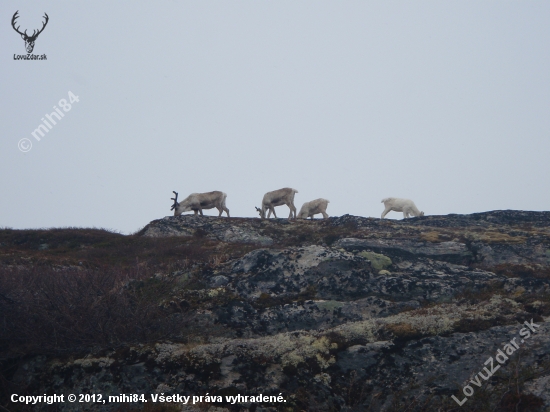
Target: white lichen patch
297, 260
295, 348
206, 354
429, 321
89, 362
168, 351
329, 305
442, 319
366, 330
215, 292
323, 378
164, 388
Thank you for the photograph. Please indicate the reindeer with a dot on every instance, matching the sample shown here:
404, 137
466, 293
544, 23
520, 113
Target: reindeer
279, 197
199, 201
396, 204
29, 40
309, 209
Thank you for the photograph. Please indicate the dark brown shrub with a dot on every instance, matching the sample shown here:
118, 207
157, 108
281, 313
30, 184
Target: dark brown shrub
46, 310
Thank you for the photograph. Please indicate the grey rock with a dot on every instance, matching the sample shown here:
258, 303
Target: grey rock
452, 252
218, 281
220, 228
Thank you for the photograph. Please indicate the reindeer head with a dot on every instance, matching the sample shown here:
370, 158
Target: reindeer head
260, 212
29, 40
175, 206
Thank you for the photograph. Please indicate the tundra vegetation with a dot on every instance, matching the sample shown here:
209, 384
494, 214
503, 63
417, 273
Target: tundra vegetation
343, 313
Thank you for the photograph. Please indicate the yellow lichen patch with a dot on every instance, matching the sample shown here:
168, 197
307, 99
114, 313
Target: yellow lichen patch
377, 260
520, 290
430, 236
403, 331
493, 236
309, 347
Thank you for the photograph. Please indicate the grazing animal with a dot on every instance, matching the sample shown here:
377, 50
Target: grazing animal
279, 197
406, 206
314, 207
199, 201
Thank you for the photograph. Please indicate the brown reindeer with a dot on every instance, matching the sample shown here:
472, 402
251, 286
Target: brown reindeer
199, 201
279, 197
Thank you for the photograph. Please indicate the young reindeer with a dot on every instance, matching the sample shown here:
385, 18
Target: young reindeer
199, 201
406, 206
309, 209
279, 197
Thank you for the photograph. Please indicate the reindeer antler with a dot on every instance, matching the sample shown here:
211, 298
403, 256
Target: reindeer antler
15, 17
43, 26
175, 199
34, 33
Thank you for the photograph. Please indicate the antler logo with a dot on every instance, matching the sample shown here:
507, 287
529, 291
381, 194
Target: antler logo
29, 40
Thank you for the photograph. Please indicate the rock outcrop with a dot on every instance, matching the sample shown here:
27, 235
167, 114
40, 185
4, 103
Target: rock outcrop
346, 313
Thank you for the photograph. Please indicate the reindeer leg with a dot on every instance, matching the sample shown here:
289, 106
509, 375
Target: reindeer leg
292, 209
385, 212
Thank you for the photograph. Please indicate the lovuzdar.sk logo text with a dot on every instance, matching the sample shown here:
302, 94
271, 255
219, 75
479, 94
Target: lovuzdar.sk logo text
29, 39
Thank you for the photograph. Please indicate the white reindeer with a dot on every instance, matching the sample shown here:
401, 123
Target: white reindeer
279, 197
199, 201
406, 206
314, 207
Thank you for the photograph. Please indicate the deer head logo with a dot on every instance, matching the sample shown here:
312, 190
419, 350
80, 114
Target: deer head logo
29, 40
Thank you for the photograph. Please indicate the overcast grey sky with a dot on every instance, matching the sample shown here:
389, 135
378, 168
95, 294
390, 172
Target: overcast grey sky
443, 102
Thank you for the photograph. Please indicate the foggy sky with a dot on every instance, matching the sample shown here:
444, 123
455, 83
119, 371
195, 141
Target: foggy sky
446, 103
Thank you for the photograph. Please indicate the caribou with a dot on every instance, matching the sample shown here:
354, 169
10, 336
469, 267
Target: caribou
199, 201
29, 40
396, 204
310, 209
279, 197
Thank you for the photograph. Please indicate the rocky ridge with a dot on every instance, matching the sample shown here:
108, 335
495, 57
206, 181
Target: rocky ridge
347, 313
